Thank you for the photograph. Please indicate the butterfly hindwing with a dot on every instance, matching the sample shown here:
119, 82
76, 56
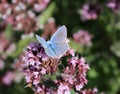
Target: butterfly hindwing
61, 48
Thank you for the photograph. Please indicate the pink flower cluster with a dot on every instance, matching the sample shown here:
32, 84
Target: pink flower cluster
83, 37
89, 12
36, 64
114, 5
90, 91
21, 13
73, 76
39, 70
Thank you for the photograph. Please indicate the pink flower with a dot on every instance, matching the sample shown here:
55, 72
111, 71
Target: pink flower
95, 89
79, 87
28, 76
43, 71
38, 7
90, 91
36, 74
36, 64
28, 79
89, 12
70, 52
114, 5
39, 89
83, 37
73, 61
63, 89
8, 78
82, 60
36, 81
75, 73
111, 5
39, 70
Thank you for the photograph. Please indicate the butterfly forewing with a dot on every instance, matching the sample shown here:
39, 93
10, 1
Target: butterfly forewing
42, 41
59, 41
60, 35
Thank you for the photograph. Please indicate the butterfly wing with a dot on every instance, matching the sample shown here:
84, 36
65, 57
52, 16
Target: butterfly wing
60, 35
42, 41
59, 41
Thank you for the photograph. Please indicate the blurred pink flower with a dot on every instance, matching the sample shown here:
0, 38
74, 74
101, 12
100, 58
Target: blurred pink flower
111, 5
83, 37
89, 12
49, 28
18, 76
21, 13
114, 5
8, 78
11, 48
90, 91
70, 52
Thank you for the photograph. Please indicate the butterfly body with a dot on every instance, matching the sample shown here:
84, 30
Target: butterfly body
50, 48
58, 45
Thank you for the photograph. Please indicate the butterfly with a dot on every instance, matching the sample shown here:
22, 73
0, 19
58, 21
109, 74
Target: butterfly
57, 46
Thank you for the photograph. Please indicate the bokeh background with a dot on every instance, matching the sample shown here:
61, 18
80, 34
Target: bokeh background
93, 30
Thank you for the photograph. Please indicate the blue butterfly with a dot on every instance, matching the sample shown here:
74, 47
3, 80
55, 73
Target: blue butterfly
57, 46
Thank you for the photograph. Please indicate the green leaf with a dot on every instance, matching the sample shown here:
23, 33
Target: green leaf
53, 77
20, 46
8, 31
115, 48
92, 73
46, 14
72, 91
117, 25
